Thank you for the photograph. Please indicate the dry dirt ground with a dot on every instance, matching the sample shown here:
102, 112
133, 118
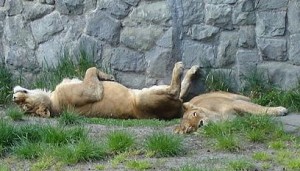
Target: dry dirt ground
199, 151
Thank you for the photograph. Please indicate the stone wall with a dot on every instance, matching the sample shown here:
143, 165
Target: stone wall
142, 39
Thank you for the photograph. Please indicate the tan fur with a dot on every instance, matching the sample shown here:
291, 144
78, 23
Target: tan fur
217, 106
96, 98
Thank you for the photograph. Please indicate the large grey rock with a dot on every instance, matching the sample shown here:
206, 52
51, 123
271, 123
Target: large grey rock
195, 53
272, 49
2, 15
218, 15
140, 38
72, 35
17, 57
284, 75
155, 13
294, 50
50, 2
47, 26
2, 2
1, 30
103, 27
243, 13
246, 63
202, 31
17, 32
92, 47
291, 123
74, 27
270, 23
132, 2
247, 37
220, 1
160, 66
34, 11
51, 57
270, 4
193, 12
70, 7
293, 16
123, 59
116, 8
131, 79
166, 40
89, 5
227, 48
14, 7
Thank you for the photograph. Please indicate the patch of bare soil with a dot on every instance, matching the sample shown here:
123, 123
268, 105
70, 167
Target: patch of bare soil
199, 151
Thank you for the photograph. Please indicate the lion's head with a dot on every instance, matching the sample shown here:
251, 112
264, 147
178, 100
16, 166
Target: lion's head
36, 102
193, 118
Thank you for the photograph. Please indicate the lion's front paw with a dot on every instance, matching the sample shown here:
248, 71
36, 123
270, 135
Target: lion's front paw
178, 130
280, 111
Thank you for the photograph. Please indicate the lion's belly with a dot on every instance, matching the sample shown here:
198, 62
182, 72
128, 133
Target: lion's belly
117, 102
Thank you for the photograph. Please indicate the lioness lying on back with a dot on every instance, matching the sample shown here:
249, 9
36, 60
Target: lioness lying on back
94, 96
216, 106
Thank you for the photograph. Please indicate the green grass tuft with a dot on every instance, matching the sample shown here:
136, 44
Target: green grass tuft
59, 135
4, 167
277, 145
164, 145
240, 165
261, 156
84, 150
138, 164
15, 113
214, 130
294, 164
228, 143
70, 118
228, 134
119, 141
28, 150
9, 134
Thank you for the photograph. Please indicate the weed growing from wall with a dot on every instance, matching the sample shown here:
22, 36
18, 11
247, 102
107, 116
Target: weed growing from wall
67, 67
219, 81
6, 84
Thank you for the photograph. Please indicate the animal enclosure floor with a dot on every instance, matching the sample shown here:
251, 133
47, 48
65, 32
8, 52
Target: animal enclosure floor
199, 150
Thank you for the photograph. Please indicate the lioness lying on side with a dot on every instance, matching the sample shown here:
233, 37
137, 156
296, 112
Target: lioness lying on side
216, 106
95, 96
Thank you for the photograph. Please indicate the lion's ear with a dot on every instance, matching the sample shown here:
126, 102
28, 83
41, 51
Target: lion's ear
187, 106
20, 89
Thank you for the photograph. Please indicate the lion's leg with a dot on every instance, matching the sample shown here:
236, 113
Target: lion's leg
172, 89
105, 77
90, 90
248, 107
187, 80
175, 86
